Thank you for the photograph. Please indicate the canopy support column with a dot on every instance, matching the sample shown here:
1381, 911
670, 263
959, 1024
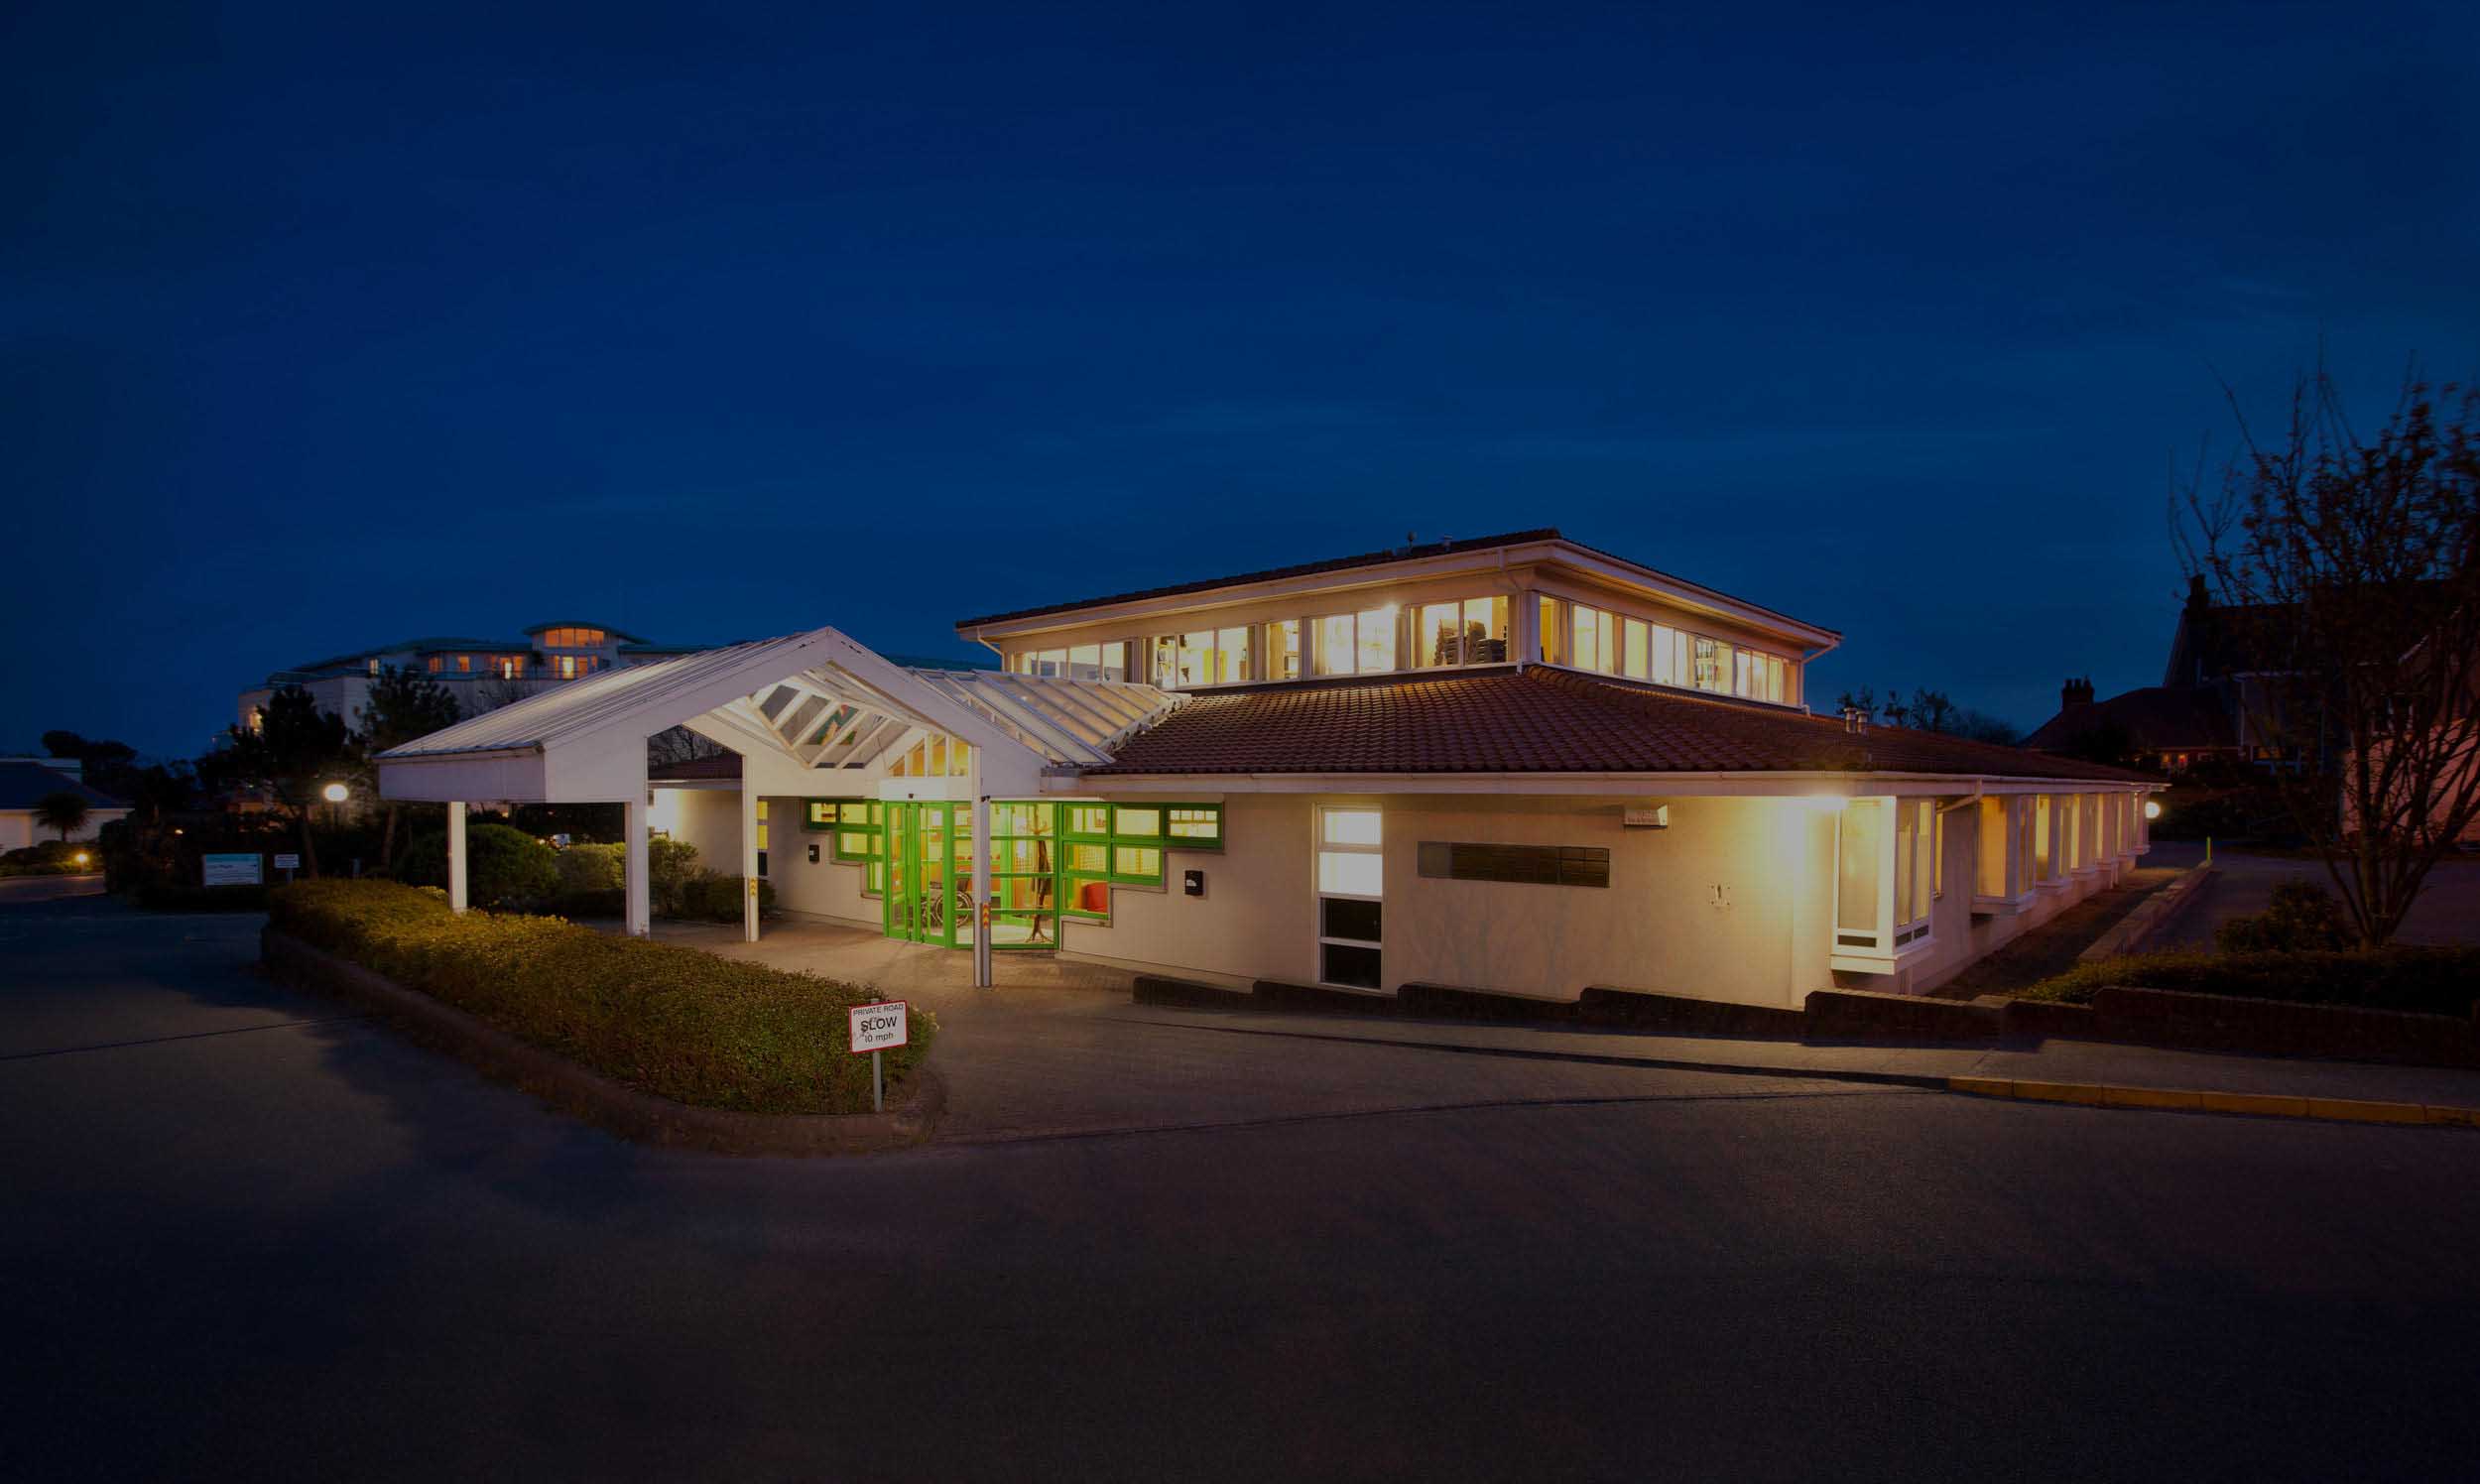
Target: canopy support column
748, 859
456, 894
981, 867
633, 867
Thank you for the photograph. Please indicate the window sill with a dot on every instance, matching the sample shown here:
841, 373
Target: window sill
1875, 963
1999, 907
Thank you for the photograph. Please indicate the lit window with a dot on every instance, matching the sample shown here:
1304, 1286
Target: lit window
1554, 632
1593, 638
1351, 883
1356, 643
1207, 657
1377, 639
1283, 650
1713, 663
1666, 655
1636, 649
1473, 631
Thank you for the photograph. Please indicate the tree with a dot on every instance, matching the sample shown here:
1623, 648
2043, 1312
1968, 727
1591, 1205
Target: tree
295, 750
105, 765
64, 810
402, 705
1979, 726
1931, 711
2352, 567
680, 745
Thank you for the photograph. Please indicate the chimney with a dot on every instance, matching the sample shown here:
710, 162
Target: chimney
2198, 599
1855, 720
2075, 692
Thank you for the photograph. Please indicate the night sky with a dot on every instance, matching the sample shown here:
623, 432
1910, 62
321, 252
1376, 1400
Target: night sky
334, 324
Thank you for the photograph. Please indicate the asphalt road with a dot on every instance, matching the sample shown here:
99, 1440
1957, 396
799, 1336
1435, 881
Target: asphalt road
245, 1236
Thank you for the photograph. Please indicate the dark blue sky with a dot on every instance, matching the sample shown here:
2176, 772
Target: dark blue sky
332, 324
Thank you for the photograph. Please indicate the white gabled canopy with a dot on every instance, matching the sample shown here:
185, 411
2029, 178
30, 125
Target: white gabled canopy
809, 714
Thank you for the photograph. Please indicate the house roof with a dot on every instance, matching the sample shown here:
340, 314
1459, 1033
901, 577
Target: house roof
1411, 552
1536, 719
2155, 719
623, 635
24, 784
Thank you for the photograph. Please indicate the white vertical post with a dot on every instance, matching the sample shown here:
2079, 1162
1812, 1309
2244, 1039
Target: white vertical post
982, 855
749, 858
456, 895
633, 866
1524, 627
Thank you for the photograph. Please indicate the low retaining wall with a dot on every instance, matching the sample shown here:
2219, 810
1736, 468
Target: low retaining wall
2152, 918
2138, 1016
590, 1095
2282, 1028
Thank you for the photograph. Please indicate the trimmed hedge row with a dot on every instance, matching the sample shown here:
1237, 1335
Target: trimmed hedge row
2429, 981
715, 1033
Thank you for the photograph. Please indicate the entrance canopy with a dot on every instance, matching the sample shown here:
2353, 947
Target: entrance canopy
809, 714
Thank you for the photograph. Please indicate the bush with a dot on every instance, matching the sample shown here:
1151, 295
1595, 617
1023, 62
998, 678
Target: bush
712, 897
666, 1019
2432, 982
503, 866
52, 858
670, 865
2303, 918
590, 868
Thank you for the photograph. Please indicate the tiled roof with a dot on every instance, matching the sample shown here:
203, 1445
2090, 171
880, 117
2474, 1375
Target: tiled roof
2155, 719
1541, 720
24, 784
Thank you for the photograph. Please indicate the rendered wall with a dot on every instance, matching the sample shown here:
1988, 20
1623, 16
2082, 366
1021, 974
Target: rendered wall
1656, 927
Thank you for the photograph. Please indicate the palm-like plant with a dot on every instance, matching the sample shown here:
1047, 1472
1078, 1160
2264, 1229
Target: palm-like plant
62, 811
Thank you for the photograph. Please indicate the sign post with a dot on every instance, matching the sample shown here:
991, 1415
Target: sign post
287, 864
882, 1027
232, 870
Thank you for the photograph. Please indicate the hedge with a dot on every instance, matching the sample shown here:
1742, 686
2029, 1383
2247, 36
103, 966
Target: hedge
716, 1033
2432, 982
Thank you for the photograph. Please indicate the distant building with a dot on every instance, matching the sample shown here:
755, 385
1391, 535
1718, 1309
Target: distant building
2204, 708
24, 783
483, 673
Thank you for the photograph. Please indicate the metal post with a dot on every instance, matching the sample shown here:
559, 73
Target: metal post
983, 964
878, 1085
457, 896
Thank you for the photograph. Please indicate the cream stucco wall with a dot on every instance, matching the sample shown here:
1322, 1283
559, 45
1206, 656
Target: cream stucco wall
19, 827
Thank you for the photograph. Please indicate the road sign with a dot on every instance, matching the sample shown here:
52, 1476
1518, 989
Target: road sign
882, 1027
287, 862
879, 1027
232, 870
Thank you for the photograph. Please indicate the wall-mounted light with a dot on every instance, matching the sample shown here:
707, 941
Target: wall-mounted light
2152, 809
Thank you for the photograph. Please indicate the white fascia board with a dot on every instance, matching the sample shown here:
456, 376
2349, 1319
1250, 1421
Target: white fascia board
514, 774
1491, 560
1638, 785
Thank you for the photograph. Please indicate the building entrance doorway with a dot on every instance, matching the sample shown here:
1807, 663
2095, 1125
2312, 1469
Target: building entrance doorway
929, 873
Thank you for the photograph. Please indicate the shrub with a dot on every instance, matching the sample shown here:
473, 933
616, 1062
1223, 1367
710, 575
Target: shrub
712, 897
666, 1019
670, 865
52, 858
503, 866
2433, 981
2303, 918
590, 868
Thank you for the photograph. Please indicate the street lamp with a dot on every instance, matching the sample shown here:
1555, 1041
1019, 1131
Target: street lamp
2152, 809
334, 795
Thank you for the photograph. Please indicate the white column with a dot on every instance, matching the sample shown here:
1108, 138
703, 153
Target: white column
633, 867
748, 859
456, 856
981, 878
1524, 628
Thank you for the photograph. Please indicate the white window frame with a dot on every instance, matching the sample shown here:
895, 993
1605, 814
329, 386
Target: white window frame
1320, 847
1889, 945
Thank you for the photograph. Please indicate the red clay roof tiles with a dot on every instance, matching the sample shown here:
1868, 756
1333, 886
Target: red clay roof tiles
1540, 720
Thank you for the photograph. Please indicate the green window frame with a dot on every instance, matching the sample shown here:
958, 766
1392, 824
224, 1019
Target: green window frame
857, 835
1025, 855
1193, 826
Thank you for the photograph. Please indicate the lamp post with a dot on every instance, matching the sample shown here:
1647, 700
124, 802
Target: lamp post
334, 793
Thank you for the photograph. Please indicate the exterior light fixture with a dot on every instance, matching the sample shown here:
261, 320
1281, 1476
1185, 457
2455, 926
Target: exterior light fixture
79, 857
333, 792
2152, 809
